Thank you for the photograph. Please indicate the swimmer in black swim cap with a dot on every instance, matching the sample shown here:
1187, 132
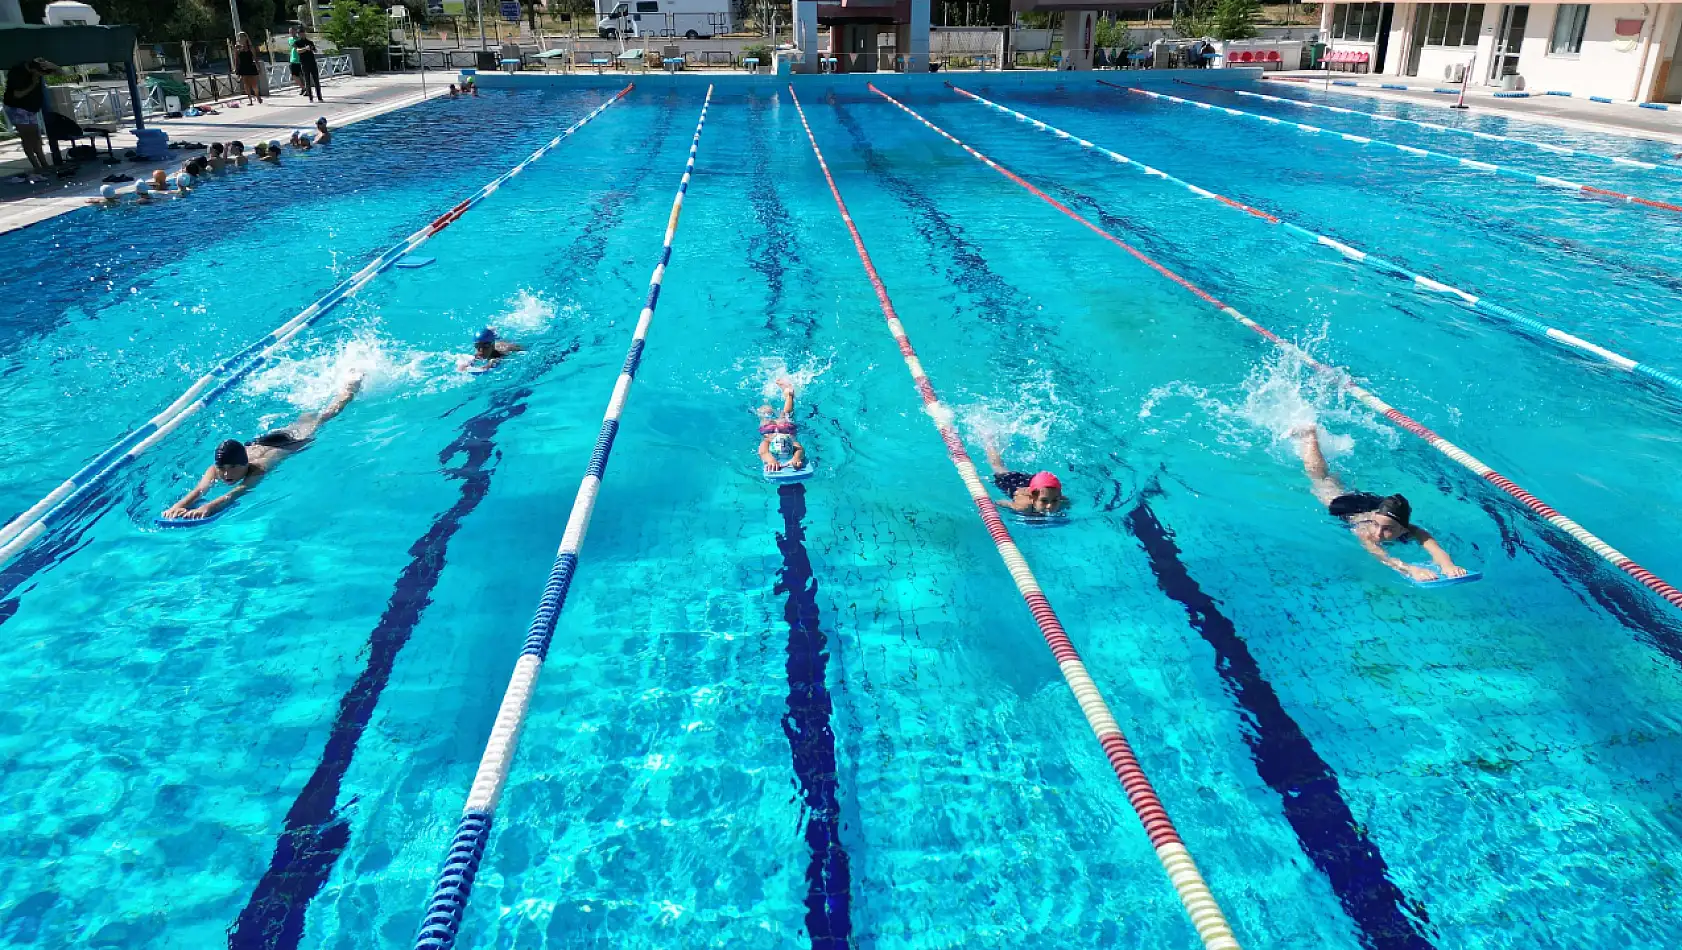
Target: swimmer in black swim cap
1376, 521
243, 464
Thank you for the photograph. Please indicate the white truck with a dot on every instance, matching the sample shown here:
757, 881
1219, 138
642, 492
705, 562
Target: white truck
693, 19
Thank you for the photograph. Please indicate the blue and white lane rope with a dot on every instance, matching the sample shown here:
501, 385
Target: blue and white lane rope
22, 530
1541, 181
1559, 150
461, 863
1384, 266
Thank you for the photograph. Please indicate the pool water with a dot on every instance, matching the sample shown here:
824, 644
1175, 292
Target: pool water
820, 715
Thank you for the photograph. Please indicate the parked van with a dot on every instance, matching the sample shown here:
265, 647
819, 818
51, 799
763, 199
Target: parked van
694, 19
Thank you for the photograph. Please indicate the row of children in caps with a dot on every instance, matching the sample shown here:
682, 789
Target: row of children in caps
218, 158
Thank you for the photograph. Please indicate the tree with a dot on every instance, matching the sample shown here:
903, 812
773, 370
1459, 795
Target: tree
355, 25
531, 8
1196, 18
1236, 19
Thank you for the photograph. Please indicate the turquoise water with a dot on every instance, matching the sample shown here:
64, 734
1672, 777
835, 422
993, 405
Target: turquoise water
1354, 763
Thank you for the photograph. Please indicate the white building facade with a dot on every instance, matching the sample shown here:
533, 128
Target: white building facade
1621, 51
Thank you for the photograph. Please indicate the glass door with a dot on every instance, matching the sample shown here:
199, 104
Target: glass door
1509, 38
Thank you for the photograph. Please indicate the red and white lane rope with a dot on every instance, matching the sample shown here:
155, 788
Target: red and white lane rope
1194, 894
1542, 181
1612, 555
1382, 265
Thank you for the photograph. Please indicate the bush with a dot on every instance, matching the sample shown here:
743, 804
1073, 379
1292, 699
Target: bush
355, 25
1236, 19
1111, 34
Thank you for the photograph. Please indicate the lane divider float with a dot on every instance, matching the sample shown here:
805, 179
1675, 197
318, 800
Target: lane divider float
34, 521
1658, 106
1206, 916
1544, 181
1437, 127
442, 922
1605, 551
1384, 266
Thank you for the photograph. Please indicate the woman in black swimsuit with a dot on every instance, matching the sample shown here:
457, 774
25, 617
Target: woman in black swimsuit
245, 67
1375, 521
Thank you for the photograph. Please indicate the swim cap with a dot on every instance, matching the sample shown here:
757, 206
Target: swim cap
108, 191
320, 120
1045, 480
274, 143
1397, 507
142, 188
487, 335
231, 452
782, 446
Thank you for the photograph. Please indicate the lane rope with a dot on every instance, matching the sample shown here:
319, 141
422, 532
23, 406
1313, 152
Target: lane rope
1436, 127
34, 521
1543, 181
1610, 554
1384, 266
1206, 916
467, 849
1517, 116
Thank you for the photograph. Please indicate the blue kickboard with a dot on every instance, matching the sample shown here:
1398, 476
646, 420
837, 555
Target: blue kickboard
1466, 578
412, 261
162, 522
789, 475
1035, 521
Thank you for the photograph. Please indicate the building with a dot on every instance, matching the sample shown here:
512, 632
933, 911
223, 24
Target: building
1622, 51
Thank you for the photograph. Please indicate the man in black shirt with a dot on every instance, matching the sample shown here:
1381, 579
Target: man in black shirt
26, 96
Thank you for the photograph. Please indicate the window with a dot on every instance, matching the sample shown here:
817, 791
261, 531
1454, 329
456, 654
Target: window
1356, 21
1450, 24
648, 6
1568, 29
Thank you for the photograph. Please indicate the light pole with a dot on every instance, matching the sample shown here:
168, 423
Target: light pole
481, 8
233, 13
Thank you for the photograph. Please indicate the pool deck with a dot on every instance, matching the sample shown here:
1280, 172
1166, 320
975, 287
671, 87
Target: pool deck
1577, 113
348, 101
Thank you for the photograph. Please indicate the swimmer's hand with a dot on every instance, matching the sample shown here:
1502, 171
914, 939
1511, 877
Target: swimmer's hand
174, 511
773, 466
189, 514
1454, 570
1418, 573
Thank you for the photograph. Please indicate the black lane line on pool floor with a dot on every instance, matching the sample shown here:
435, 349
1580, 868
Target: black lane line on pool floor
316, 833
317, 830
1308, 789
811, 740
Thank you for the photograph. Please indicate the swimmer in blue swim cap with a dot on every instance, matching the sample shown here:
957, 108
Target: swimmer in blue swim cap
1375, 521
487, 349
778, 448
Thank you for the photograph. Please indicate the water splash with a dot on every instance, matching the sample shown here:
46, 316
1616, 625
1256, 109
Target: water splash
309, 380
1280, 395
526, 311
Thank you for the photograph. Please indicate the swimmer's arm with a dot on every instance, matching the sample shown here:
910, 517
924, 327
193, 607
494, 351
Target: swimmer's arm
503, 349
788, 396
799, 457
765, 454
1439, 555
1395, 563
228, 498
192, 498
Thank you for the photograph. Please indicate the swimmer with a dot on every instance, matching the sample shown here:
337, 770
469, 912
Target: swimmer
1376, 521
142, 193
487, 349
322, 136
1039, 494
268, 152
778, 448
453, 91
218, 157
236, 153
160, 181
243, 465
108, 197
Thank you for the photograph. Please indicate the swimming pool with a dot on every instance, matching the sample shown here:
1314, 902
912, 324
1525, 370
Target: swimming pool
778, 717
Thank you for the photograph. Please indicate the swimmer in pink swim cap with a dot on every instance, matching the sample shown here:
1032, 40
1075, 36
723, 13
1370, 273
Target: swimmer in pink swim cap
1040, 494
778, 448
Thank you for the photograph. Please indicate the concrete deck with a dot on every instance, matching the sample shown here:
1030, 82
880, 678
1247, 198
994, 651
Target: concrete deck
1580, 114
348, 101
